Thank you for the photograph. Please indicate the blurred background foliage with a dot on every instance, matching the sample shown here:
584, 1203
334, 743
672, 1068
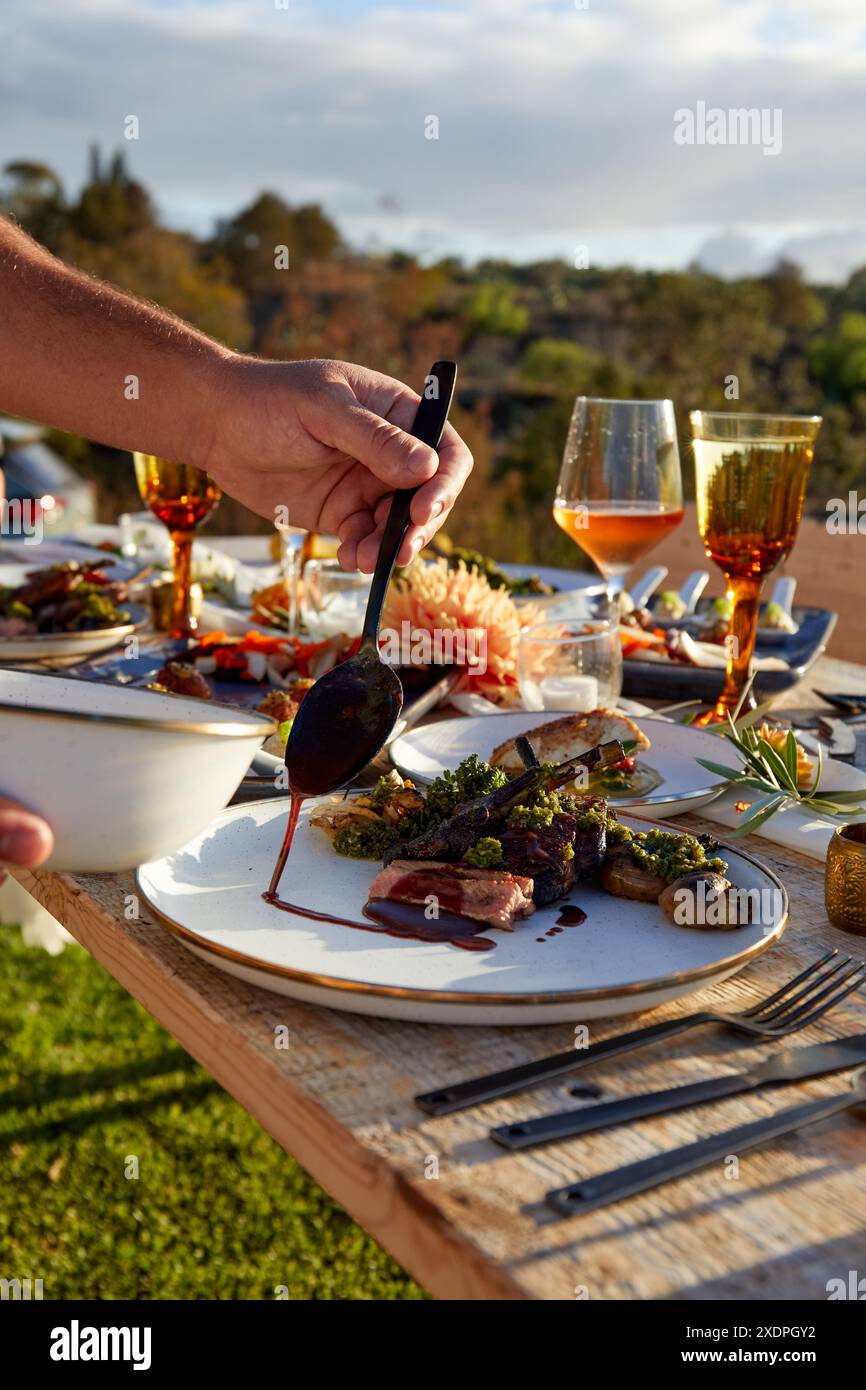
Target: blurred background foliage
528, 337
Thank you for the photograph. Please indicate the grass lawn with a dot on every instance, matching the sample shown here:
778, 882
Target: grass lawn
90, 1082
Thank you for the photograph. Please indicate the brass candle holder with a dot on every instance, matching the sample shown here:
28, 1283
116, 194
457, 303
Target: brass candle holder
160, 598
845, 879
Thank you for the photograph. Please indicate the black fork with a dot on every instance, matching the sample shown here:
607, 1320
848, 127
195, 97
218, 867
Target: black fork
799, 1002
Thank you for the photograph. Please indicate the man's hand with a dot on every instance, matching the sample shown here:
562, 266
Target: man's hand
25, 839
327, 441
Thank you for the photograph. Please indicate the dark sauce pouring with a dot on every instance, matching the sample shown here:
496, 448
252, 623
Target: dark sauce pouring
345, 719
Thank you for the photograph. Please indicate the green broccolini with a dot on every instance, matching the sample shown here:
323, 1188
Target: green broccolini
471, 779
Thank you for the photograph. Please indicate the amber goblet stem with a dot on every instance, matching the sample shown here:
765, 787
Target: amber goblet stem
183, 624
745, 593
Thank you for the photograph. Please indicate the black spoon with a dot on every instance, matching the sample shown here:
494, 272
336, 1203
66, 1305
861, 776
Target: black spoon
348, 714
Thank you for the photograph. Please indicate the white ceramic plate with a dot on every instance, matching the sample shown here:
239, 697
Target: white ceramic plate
626, 957
218, 615
49, 646
424, 753
56, 646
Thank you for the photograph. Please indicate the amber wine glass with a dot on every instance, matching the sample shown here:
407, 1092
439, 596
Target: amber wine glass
182, 497
750, 483
620, 488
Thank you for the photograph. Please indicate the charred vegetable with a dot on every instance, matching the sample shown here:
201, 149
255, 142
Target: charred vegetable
706, 901
625, 878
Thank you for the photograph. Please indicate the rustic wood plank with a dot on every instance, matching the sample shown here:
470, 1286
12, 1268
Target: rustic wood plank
466, 1218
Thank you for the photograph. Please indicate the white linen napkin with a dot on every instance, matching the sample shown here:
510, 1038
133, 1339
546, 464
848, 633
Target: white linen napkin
795, 829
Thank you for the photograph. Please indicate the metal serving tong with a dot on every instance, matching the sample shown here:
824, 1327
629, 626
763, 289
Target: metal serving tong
799, 1002
613, 1186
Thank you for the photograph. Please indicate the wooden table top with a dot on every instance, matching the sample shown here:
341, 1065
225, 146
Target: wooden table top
464, 1217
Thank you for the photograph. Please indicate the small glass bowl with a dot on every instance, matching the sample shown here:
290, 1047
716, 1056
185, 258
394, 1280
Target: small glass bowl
333, 600
573, 665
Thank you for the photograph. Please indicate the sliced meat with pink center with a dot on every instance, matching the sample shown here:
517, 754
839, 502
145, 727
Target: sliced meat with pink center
487, 895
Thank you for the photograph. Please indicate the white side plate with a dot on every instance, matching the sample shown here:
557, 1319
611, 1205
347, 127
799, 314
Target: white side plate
425, 752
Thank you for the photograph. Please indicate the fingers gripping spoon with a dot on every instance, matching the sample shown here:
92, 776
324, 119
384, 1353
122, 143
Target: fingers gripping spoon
345, 719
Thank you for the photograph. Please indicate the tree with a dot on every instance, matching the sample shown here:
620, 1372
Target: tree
251, 242
112, 205
165, 267
561, 366
491, 307
838, 358
33, 194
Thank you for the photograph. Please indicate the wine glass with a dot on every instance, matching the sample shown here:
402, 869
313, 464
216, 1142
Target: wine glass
620, 489
181, 497
750, 483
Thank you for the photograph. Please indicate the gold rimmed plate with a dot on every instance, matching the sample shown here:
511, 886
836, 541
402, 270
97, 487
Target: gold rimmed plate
60, 646
624, 958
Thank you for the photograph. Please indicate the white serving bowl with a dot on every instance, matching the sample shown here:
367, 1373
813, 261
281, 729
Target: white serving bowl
122, 776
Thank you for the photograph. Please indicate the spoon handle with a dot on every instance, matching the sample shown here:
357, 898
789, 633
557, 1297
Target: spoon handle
427, 426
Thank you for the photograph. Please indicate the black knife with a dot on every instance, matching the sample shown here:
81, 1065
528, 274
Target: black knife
796, 1064
613, 1186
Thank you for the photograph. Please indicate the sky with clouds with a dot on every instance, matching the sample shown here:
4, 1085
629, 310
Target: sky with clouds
556, 119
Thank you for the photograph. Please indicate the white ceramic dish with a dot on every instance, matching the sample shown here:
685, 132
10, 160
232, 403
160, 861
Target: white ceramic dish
52, 646
218, 615
626, 957
423, 753
121, 775
60, 646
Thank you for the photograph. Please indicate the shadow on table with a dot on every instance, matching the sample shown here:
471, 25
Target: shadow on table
544, 1217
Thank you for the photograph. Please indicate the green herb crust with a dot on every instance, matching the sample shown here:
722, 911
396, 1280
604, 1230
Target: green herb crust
486, 854
664, 852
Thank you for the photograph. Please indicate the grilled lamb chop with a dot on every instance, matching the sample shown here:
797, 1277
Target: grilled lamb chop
455, 836
487, 895
541, 854
590, 850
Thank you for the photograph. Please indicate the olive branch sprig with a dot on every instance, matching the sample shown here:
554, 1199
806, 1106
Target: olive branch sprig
773, 774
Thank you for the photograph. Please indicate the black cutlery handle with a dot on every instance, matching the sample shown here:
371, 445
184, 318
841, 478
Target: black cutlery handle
565, 1124
505, 1083
618, 1183
429, 422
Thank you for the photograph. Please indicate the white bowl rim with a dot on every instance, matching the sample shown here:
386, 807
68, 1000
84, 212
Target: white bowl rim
258, 722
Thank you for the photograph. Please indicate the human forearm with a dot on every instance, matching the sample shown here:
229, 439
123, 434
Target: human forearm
81, 355
322, 442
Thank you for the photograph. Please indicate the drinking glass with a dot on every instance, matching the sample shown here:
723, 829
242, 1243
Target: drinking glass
573, 665
750, 483
620, 488
334, 600
181, 497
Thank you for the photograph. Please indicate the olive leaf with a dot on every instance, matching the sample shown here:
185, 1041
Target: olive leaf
764, 769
